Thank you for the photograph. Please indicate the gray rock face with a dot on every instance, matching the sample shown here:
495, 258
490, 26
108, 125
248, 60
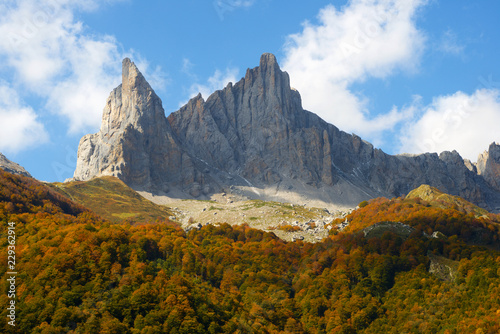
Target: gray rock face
257, 129
135, 142
488, 166
12, 167
256, 133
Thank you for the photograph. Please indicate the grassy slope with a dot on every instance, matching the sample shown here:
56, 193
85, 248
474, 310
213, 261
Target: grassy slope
442, 200
112, 199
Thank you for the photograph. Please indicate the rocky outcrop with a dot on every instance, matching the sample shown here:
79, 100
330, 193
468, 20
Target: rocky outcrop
12, 167
258, 130
488, 166
379, 229
135, 142
255, 135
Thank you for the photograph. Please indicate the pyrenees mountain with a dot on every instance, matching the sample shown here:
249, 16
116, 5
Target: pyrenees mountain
254, 138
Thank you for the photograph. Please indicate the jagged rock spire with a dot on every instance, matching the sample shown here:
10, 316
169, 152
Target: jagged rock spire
268, 62
488, 165
135, 142
132, 78
133, 102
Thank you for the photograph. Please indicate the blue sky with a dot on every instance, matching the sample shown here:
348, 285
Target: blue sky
407, 75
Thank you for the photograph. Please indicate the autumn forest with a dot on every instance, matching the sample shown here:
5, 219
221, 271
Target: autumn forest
80, 273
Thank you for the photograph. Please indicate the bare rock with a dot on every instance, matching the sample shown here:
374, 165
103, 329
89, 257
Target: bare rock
135, 142
438, 235
12, 167
488, 166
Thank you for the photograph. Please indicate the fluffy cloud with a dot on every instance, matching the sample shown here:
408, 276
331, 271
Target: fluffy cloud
366, 38
462, 122
375, 39
51, 54
19, 128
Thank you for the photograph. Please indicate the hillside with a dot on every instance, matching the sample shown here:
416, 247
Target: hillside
446, 218
23, 194
78, 274
442, 200
112, 199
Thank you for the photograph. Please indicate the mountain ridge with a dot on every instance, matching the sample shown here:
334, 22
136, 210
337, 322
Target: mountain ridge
254, 138
12, 167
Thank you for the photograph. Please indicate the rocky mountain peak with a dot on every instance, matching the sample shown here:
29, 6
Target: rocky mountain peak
135, 137
268, 59
268, 66
268, 63
245, 128
488, 165
133, 102
132, 78
271, 83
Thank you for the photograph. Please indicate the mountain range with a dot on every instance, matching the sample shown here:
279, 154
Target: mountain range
254, 138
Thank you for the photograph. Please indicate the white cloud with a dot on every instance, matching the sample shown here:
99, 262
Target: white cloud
449, 44
366, 38
375, 39
53, 58
51, 54
224, 6
462, 122
217, 81
92, 70
19, 128
187, 67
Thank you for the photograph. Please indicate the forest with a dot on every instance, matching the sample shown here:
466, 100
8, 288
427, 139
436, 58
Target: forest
79, 273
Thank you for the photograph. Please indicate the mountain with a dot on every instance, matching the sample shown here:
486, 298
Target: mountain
255, 139
12, 167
